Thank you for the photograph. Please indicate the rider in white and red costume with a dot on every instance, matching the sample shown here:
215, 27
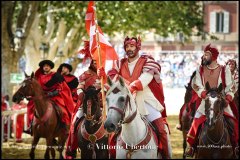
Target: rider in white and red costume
142, 75
210, 71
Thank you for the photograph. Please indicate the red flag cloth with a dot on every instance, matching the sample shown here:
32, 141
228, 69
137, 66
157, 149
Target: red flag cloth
107, 52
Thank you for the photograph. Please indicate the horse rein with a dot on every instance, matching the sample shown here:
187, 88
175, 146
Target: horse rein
31, 96
218, 117
122, 112
89, 116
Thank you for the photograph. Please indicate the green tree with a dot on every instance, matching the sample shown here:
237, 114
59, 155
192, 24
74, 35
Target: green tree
61, 26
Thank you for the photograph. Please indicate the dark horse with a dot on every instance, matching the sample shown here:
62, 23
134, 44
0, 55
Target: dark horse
214, 139
92, 138
46, 121
187, 114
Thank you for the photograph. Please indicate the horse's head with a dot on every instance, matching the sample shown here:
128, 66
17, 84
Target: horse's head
91, 105
214, 104
26, 89
119, 102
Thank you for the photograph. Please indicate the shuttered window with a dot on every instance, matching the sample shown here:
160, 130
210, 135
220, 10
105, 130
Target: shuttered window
219, 22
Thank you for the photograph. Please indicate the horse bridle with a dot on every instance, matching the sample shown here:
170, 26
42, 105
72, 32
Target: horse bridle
219, 115
89, 116
122, 112
30, 96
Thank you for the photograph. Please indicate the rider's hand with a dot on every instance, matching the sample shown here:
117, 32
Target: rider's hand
132, 89
135, 86
101, 72
228, 99
204, 94
53, 93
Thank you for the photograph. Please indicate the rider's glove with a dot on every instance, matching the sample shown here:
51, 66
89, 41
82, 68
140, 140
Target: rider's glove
53, 93
135, 86
101, 72
204, 94
228, 99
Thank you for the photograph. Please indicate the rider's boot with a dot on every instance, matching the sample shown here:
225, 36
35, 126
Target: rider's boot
189, 151
179, 126
71, 150
159, 124
29, 129
79, 117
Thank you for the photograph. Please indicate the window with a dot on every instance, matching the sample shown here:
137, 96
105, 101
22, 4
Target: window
219, 22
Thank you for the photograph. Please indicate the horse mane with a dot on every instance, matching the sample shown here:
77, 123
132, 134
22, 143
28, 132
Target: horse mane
90, 93
191, 78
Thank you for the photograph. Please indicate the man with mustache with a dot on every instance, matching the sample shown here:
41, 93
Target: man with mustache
212, 72
142, 75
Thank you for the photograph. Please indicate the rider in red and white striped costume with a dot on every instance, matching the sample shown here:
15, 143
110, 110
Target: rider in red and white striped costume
142, 75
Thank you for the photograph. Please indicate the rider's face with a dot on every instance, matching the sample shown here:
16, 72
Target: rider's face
131, 50
93, 65
65, 71
46, 68
207, 58
232, 66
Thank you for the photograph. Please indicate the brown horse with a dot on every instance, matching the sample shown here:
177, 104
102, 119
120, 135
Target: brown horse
187, 114
214, 139
46, 123
92, 139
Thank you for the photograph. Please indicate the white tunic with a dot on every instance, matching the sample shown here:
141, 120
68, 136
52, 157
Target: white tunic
147, 103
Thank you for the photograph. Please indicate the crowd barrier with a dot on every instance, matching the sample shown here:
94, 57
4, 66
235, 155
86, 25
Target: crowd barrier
6, 116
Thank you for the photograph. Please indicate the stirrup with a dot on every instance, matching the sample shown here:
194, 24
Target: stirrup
179, 127
189, 152
236, 151
28, 131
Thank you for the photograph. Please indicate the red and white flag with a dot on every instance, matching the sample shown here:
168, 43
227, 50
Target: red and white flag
107, 52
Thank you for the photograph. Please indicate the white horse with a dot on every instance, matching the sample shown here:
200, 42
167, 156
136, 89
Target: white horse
136, 138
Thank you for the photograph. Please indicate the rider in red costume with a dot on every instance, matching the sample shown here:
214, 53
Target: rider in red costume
212, 72
86, 79
144, 81
70, 79
56, 89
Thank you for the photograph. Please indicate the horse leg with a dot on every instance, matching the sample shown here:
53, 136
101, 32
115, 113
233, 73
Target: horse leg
34, 143
184, 143
49, 147
62, 139
60, 147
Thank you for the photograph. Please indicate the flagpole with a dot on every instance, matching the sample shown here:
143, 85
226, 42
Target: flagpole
100, 64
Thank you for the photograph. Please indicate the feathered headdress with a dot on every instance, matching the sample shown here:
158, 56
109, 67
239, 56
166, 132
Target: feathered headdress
85, 51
